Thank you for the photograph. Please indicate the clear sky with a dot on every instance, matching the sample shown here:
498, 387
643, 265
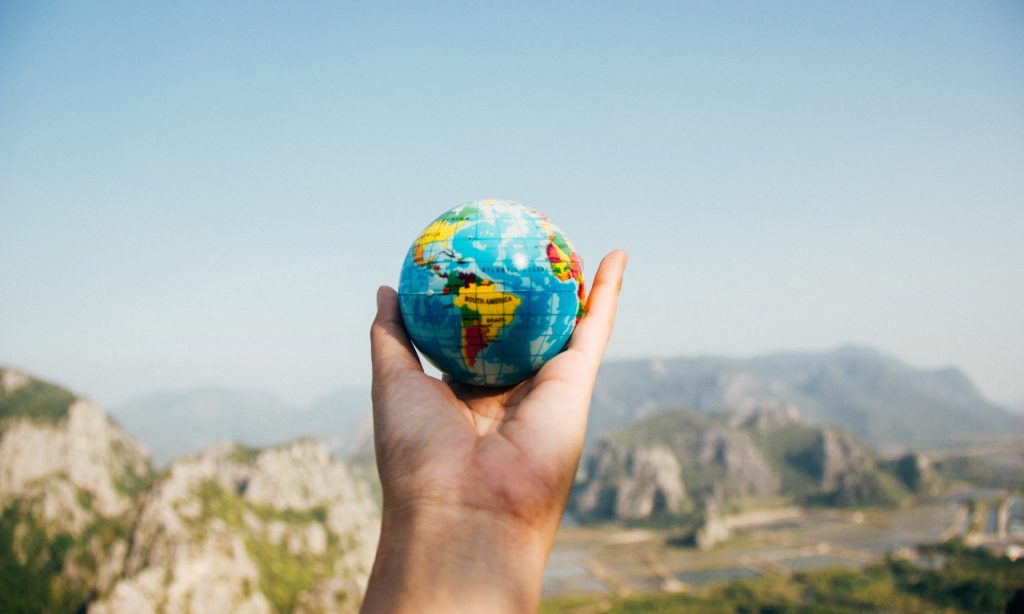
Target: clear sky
195, 194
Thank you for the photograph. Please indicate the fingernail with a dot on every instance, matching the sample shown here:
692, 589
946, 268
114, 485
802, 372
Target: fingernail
380, 297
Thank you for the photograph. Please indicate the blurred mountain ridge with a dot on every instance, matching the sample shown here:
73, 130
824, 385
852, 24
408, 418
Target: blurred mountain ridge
875, 396
173, 424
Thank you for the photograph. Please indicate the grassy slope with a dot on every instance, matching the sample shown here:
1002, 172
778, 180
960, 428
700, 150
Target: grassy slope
36, 399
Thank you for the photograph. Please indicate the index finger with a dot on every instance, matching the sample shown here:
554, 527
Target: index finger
595, 328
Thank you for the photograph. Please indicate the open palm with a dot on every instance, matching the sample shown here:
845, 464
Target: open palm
510, 452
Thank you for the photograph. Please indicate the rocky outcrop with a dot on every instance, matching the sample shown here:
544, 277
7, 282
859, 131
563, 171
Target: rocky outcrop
234, 529
916, 471
837, 459
85, 523
713, 528
639, 483
746, 472
655, 485
61, 466
68, 478
11, 380
664, 465
701, 468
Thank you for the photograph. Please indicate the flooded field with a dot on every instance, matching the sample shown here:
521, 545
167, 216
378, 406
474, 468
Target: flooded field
613, 560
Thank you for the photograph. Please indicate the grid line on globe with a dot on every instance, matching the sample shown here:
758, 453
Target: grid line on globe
490, 291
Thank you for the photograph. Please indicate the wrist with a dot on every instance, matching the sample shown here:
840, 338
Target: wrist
440, 558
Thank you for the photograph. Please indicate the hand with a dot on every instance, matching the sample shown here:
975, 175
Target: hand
475, 480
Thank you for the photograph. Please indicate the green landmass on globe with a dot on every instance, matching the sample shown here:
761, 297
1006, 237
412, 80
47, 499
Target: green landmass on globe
490, 291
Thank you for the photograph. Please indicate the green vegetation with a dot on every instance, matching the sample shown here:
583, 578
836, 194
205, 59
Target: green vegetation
870, 488
283, 575
52, 571
787, 449
132, 484
31, 563
949, 578
649, 604
794, 454
980, 472
36, 399
244, 454
129, 482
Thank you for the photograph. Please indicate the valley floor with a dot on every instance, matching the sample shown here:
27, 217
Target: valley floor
613, 561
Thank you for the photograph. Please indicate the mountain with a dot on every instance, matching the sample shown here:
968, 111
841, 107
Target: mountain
174, 424
876, 397
233, 529
69, 486
686, 466
86, 523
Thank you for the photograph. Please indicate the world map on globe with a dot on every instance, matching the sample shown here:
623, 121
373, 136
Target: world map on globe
490, 291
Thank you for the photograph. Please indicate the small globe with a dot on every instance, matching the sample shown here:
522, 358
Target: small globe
490, 291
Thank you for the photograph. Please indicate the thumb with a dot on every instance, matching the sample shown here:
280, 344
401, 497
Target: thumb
390, 349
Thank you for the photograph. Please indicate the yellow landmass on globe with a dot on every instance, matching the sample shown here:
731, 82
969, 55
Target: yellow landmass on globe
440, 231
485, 311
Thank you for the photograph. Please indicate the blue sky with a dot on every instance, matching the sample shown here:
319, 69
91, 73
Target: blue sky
193, 194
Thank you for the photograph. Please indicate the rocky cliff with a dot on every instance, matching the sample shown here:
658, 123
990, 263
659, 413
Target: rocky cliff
238, 530
681, 464
634, 483
69, 483
87, 525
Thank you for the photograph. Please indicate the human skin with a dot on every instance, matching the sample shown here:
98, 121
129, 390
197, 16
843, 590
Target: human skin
475, 480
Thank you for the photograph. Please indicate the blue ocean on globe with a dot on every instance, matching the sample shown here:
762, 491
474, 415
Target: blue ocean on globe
490, 291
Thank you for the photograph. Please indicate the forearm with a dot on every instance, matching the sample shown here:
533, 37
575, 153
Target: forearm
457, 561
